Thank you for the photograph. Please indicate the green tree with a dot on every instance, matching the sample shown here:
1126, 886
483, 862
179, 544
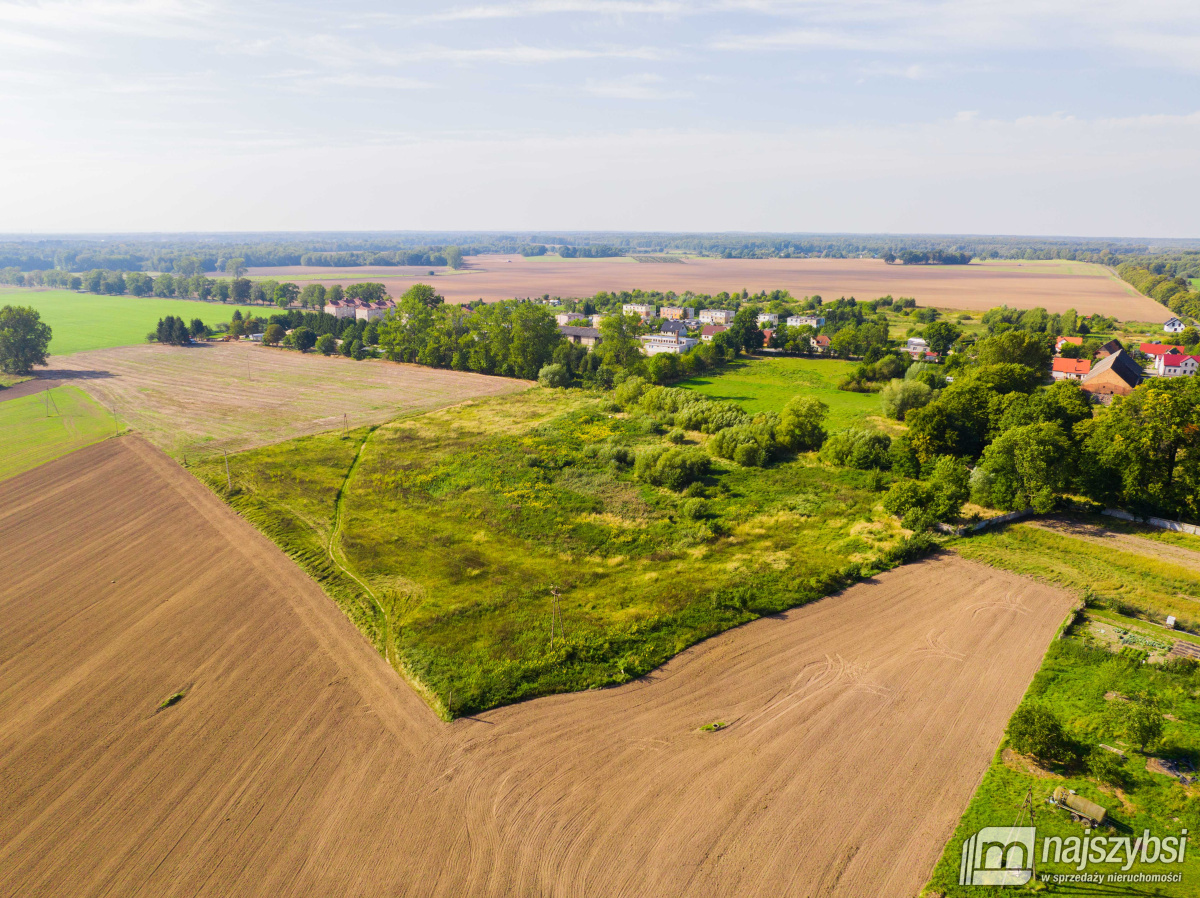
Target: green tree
286, 294
312, 296
1025, 466
1016, 347
554, 376
802, 424
951, 484
619, 344
900, 397
272, 335
744, 331
198, 328
1143, 723
24, 340
303, 339
327, 344
454, 257
235, 268
372, 292
940, 335
239, 290
1035, 730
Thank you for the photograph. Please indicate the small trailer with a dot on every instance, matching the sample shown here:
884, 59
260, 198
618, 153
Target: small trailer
1081, 809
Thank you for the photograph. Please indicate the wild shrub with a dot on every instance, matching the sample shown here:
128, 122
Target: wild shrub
673, 468
857, 447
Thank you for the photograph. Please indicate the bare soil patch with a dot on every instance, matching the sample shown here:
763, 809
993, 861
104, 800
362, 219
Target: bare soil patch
975, 287
299, 763
202, 399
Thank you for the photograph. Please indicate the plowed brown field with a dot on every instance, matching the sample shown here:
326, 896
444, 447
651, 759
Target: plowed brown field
299, 764
1056, 286
235, 396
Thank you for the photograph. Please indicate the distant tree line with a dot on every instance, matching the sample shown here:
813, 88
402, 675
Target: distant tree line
930, 257
197, 254
1171, 283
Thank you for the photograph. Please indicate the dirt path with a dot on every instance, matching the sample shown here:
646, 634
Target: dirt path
28, 388
299, 763
1125, 542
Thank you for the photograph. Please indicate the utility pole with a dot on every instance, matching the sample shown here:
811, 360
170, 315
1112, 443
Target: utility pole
228, 479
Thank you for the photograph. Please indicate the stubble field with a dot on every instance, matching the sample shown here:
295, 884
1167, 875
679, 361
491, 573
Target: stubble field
297, 762
1055, 286
231, 396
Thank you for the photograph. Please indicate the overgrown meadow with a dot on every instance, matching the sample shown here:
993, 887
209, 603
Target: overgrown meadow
445, 538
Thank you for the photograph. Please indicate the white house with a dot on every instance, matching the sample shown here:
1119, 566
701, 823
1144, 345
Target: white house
676, 343
1176, 365
916, 346
805, 321
1070, 369
716, 316
642, 310
341, 308
767, 318
567, 317
1174, 326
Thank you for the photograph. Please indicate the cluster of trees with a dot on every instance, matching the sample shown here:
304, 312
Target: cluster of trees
177, 332
1173, 291
1038, 321
425, 257
930, 257
24, 340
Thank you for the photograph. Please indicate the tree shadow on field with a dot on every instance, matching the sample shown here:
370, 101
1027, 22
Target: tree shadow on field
66, 374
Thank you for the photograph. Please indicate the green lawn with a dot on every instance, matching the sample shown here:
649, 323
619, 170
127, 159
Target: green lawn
82, 321
36, 429
1084, 681
766, 384
442, 537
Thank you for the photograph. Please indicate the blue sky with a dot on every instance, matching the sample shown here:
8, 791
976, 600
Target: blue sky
1026, 116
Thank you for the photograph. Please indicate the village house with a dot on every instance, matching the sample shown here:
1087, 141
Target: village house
1115, 375
567, 317
821, 343
805, 321
1157, 350
642, 310
716, 316
373, 311
674, 327
916, 346
1063, 341
1108, 349
341, 308
583, 336
1174, 326
1070, 369
654, 344
1176, 364
711, 330
676, 313
767, 318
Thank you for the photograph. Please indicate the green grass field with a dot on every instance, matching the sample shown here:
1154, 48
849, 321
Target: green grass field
442, 537
766, 385
82, 321
36, 429
1084, 680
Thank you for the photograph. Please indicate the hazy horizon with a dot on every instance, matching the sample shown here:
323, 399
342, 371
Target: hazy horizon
727, 116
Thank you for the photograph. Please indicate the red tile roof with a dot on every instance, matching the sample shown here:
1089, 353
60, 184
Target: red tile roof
1072, 366
1159, 348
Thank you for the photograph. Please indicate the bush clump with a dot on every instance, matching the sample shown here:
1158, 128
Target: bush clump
673, 468
555, 376
858, 448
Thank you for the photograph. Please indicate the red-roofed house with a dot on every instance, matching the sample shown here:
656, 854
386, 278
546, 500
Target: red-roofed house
1058, 344
821, 343
1176, 365
711, 330
1070, 369
1157, 350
